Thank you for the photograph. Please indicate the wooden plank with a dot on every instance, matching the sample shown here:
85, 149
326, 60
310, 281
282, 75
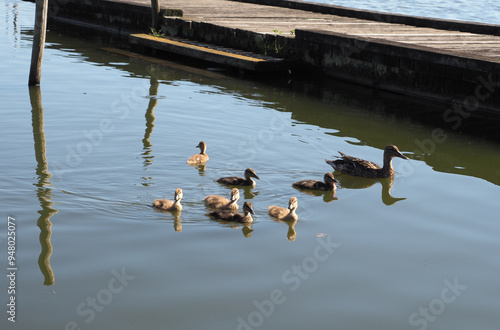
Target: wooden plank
210, 53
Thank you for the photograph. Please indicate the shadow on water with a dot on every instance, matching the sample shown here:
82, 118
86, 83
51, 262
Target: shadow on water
44, 191
362, 116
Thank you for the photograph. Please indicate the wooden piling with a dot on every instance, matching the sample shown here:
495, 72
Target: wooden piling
38, 42
155, 12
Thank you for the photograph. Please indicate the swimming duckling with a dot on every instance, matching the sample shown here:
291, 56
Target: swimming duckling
281, 213
222, 203
237, 181
169, 205
329, 183
359, 167
201, 158
235, 216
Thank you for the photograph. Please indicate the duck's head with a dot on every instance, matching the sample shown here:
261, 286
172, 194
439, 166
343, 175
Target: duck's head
293, 203
248, 208
250, 173
329, 178
235, 195
393, 151
178, 194
203, 146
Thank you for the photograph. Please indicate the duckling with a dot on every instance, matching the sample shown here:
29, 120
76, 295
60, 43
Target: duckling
169, 205
235, 216
281, 213
201, 158
359, 167
219, 202
237, 181
329, 183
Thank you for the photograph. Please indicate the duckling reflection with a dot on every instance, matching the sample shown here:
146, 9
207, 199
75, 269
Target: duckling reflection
287, 214
248, 192
201, 158
201, 169
328, 196
349, 182
226, 215
291, 233
222, 203
238, 181
359, 167
168, 205
177, 223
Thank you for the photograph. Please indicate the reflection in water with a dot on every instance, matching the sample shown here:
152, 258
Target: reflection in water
291, 233
177, 222
150, 118
246, 227
177, 218
201, 169
351, 182
328, 196
44, 192
248, 192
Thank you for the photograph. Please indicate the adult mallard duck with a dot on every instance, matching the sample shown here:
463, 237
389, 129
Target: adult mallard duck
201, 158
222, 203
169, 205
359, 167
287, 214
327, 185
238, 181
235, 216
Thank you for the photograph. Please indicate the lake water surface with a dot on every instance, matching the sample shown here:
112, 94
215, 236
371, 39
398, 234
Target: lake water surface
83, 157
482, 11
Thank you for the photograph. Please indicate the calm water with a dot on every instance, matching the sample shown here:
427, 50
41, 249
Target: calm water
84, 155
483, 11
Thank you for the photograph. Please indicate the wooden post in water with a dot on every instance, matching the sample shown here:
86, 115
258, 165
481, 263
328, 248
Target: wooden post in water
155, 11
38, 42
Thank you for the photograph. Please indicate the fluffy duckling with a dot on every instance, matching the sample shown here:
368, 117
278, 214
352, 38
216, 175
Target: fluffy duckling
169, 205
234, 216
281, 213
222, 203
328, 185
201, 158
359, 167
238, 181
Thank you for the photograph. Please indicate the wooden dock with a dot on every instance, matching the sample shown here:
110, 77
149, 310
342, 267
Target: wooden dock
266, 19
450, 61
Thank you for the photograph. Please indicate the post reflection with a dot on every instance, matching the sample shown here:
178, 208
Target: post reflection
44, 191
150, 119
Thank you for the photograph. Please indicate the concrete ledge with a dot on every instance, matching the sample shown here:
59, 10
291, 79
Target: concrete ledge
436, 23
224, 56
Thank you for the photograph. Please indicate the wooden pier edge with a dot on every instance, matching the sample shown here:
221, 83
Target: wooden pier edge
419, 21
